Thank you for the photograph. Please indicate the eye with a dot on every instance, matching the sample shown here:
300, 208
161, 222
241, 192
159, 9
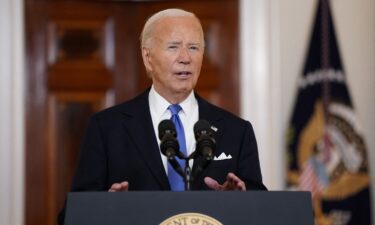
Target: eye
172, 47
194, 48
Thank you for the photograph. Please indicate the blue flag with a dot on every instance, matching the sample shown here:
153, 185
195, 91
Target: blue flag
326, 152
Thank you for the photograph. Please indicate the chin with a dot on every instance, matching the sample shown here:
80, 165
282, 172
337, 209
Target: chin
184, 89
184, 86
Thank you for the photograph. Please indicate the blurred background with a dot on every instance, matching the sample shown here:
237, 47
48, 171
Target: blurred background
61, 61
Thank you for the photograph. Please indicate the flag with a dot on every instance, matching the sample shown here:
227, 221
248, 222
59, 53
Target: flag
326, 152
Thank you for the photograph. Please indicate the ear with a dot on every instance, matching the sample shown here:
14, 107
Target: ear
146, 56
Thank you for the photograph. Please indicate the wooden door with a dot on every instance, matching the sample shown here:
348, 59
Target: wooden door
83, 56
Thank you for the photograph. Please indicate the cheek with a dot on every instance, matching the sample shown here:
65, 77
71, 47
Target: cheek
164, 64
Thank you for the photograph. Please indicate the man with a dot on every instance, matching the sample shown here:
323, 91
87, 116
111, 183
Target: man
120, 150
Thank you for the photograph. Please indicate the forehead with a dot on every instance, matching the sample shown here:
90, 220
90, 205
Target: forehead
178, 27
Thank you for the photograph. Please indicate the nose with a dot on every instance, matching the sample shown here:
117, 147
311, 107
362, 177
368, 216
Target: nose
184, 56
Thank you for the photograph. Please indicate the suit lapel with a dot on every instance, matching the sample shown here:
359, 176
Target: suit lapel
210, 113
138, 122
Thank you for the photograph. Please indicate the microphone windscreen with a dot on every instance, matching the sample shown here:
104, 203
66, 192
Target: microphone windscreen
201, 125
164, 126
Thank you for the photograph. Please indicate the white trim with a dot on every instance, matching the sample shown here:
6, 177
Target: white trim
11, 112
277, 132
260, 85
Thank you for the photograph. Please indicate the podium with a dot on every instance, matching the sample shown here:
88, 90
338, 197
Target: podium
193, 207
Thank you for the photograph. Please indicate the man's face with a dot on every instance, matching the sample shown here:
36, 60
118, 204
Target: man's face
175, 55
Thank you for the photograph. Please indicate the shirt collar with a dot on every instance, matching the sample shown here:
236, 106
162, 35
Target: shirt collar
159, 105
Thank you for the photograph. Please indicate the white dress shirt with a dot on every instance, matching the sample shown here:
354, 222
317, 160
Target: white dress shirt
188, 115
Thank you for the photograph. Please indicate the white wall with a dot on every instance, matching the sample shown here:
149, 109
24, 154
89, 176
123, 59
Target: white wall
11, 113
274, 40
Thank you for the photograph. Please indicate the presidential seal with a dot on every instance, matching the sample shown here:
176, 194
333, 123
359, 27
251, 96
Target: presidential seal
333, 163
191, 219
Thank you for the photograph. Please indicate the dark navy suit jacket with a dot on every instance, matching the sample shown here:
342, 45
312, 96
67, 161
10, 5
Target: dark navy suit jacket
120, 145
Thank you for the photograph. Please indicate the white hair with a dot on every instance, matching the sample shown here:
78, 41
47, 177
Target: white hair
146, 34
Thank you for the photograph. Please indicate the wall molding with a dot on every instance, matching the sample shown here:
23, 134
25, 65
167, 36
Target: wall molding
260, 84
12, 112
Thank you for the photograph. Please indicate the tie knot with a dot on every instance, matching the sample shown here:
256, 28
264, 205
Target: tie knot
175, 109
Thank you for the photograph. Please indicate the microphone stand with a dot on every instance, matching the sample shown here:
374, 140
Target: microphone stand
185, 173
188, 175
188, 179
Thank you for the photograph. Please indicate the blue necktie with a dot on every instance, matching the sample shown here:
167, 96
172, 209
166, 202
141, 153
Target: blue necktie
176, 181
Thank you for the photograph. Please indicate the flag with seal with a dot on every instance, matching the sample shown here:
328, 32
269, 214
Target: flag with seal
326, 152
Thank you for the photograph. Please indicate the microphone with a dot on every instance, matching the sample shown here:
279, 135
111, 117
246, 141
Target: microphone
206, 144
168, 143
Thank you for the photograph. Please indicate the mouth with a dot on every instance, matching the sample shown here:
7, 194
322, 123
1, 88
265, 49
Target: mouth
183, 73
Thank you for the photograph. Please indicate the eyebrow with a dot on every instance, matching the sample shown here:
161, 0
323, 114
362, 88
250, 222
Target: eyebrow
174, 42
179, 42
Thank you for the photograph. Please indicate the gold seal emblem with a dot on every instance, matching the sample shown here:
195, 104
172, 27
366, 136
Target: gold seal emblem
191, 219
332, 159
